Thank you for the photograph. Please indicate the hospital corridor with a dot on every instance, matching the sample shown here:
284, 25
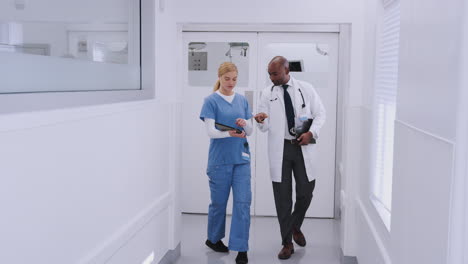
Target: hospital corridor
218, 132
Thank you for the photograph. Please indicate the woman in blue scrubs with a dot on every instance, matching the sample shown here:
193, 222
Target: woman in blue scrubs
228, 163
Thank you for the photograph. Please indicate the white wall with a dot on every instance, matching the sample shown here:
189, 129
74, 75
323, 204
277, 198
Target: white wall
458, 236
425, 130
424, 138
430, 45
79, 183
92, 184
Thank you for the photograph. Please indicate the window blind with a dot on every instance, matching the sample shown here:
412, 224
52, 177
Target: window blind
386, 82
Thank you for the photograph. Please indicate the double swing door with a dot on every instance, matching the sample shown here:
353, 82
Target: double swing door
313, 58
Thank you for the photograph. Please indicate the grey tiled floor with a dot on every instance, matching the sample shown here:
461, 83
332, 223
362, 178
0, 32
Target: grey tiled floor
321, 234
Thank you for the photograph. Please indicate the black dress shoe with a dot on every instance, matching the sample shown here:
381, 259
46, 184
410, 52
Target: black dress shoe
298, 237
218, 246
242, 258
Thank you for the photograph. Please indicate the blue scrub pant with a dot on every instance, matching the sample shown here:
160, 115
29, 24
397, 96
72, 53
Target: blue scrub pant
222, 179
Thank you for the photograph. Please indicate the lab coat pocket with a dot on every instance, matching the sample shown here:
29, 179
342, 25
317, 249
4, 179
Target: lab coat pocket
310, 159
306, 112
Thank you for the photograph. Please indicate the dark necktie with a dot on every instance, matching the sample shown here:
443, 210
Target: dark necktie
288, 106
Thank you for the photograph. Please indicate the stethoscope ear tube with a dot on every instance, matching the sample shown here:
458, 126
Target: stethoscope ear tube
302, 96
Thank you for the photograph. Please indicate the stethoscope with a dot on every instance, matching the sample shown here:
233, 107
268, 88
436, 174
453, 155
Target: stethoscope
302, 96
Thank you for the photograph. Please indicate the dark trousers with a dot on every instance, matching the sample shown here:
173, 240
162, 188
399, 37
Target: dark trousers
293, 161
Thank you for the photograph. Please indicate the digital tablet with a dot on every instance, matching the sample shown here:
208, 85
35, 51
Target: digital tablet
223, 127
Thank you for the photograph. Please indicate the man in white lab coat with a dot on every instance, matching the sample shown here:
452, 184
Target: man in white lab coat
282, 108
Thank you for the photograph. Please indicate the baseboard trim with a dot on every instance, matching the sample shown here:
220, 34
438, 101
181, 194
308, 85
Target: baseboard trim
103, 252
348, 259
373, 230
171, 256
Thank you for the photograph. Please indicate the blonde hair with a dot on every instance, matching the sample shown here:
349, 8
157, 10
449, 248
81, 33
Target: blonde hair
223, 69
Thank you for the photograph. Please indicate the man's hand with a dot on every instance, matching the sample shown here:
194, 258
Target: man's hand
260, 117
233, 133
305, 138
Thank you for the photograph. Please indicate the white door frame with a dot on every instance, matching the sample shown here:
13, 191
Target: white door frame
344, 31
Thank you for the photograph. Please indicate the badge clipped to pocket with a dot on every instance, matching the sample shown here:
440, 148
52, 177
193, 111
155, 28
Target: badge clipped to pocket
303, 117
246, 152
245, 156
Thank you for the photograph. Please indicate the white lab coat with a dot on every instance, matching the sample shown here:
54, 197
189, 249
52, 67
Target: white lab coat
272, 103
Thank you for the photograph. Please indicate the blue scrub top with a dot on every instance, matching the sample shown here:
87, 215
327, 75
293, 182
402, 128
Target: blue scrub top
226, 150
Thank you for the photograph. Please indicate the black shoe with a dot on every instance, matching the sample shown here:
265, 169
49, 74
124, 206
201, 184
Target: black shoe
242, 258
218, 246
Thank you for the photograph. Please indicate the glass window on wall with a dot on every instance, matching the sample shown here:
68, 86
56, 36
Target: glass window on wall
204, 59
69, 45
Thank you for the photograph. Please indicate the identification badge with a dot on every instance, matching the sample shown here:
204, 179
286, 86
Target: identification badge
245, 156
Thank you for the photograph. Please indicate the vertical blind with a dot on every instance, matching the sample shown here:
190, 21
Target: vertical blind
386, 81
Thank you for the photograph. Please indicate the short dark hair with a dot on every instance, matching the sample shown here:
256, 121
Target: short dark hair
282, 60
